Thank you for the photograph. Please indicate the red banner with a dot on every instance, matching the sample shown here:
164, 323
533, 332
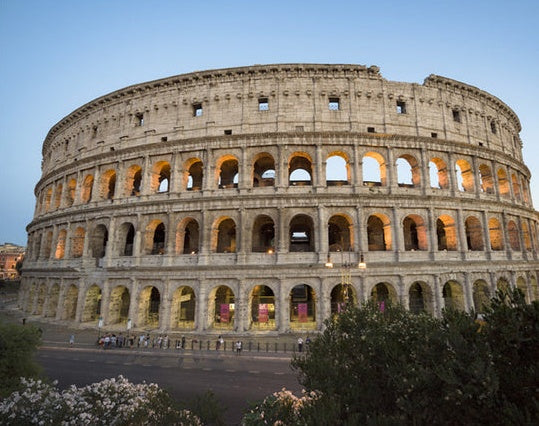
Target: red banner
302, 312
263, 312
225, 312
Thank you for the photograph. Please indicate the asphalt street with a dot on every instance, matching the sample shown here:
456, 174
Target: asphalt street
236, 380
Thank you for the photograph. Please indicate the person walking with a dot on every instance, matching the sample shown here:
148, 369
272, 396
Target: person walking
300, 344
71, 340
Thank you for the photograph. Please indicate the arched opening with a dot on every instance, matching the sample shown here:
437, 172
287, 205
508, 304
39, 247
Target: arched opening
41, 294
61, 244
474, 234
58, 196
70, 302
503, 183
160, 177
264, 170
48, 245
302, 307
183, 308
379, 232
465, 176
481, 296
187, 237
526, 235
262, 308
148, 308
225, 239
420, 298
126, 238
337, 170
446, 233
415, 233
534, 288
108, 185
485, 177
438, 173
228, 172
155, 237
48, 199
301, 233
339, 233
408, 173
195, 174
503, 285
86, 190
453, 296
119, 305
341, 297
70, 192
516, 187
98, 241
495, 234
300, 170
374, 169
77, 242
383, 293
221, 308
263, 236
133, 180
514, 237
54, 296
521, 285
92, 304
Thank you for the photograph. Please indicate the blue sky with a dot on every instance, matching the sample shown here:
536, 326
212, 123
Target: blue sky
57, 55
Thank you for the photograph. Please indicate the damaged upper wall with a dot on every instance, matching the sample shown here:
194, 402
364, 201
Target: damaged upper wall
282, 98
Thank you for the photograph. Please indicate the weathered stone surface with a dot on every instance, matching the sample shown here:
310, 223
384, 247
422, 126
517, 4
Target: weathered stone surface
212, 201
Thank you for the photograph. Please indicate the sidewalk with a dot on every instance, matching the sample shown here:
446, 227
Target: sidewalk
56, 334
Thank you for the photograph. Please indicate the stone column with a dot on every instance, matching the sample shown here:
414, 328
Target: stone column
398, 242
321, 245
105, 302
391, 174
318, 180
282, 232
244, 171
468, 293
438, 297
424, 170
431, 231
133, 303
241, 301
80, 300
486, 234
201, 308
461, 230
452, 174
61, 301
357, 169
284, 310
145, 185
164, 309
68, 242
476, 181
96, 196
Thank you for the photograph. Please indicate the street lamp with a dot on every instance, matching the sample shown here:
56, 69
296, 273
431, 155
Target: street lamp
346, 273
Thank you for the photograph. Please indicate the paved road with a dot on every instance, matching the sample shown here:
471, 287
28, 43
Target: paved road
236, 380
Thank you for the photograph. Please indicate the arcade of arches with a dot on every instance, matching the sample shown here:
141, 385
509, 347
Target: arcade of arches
248, 306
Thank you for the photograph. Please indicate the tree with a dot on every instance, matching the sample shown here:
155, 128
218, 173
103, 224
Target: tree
396, 367
18, 345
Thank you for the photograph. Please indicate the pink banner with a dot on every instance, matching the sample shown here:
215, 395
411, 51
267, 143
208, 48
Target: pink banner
225, 312
263, 312
382, 306
302, 312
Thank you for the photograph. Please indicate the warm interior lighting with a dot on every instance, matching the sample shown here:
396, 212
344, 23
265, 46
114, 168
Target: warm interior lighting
328, 263
362, 264
270, 251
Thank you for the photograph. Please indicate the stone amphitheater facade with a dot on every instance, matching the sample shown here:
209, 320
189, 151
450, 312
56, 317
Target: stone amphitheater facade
217, 201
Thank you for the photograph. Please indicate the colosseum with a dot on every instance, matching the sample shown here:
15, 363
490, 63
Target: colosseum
262, 199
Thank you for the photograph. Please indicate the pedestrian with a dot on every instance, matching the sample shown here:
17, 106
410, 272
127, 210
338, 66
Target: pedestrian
300, 344
71, 340
218, 343
24, 321
183, 342
308, 342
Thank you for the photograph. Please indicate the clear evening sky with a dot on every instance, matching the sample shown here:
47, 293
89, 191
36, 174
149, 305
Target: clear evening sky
57, 55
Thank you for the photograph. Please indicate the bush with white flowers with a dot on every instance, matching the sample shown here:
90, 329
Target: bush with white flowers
113, 401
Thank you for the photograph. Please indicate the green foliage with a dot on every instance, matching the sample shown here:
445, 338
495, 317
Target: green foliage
395, 367
208, 409
18, 345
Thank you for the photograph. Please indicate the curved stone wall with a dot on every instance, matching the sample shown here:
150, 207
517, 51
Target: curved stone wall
218, 200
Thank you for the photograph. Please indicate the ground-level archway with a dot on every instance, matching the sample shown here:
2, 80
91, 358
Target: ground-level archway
92, 304
302, 308
183, 308
119, 302
453, 296
148, 307
262, 308
221, 308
